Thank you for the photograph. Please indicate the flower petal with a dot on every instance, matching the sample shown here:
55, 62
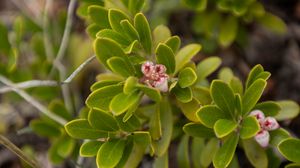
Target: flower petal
262, 138
147, 68
162, 84
260, 116
160, 68
270, 124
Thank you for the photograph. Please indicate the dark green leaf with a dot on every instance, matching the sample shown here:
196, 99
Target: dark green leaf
132, 124
250, 127
135, 6
187, 77
255, 153
116, 36
278, 135
269, 108
210, 114
99, 15
209, 151
183, 94
103, 83
224, 127
142, 26
90, 148
174, 43
120, 66
43, 128
122, 102
129, 30
65, 146
152, 93
198, 130
115, 16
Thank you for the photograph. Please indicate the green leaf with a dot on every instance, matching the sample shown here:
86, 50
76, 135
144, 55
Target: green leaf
185, 54
249, 128
209, 152
255, 154
102, 120
90, 148
228, 31
142, 138
196, 151
255, 74
110, 153
113, 35
58, 108
135, 6
290, 149
207, 67
273, 23
187, 77
198, 130
269, 108
210, 114
81, 129
155, 128
129, 30
103, 83
53, 155
190, 109
107, 48
225, 74
130, 125
43, 128
152, 93
278, 135
161, 33
4, 42
115, 16
161, 146
223, 96
252, 95
162, 161
174, 43
99, 15
183, 152
102, 97
142, 26
130, 84
183, 94
289, 110
120, 66
225, 154
165, 56
109, 77
198, 5
65, 146
224, 127
236, 85
122, 102
202, 94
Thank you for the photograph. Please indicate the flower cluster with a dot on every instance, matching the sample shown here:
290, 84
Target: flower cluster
266, 124
155, 76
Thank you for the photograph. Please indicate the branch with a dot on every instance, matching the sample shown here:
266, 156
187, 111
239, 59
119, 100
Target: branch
29, 84
4, 141
46, 39
78, 70
32, 101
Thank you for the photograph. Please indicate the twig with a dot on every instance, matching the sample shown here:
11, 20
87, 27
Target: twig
75, 73
4, 141
32, 101
46, 39
29, 84
61, 52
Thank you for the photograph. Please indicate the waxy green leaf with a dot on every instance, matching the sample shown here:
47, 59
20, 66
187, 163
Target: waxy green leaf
289, 110
152, 93
120, 66
81, 129
130, 84
99, 15
44, 128
255, 153
174, 43
183, 152
129, 30
207, 67
269, 108
278, 135
224, 127
155, 128
113, 35
223, 96
290, 149
142, 26
102, 120
165, 56
225, 154
90, 148
135, 6
202, 94
209, 151
183, 94
252, 95
130, 125
102, 97
187, 77
110, 153
185, 55
103, 83
249, 128
198, 130
115, 16
122, 102
190, 109
210, 114
161, 33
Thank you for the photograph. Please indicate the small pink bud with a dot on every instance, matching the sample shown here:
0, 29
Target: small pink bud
160, 69
260, 116
147, 68
161, 84
270, 124
262, 138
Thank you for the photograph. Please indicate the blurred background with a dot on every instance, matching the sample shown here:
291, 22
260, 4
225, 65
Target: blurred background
243, 34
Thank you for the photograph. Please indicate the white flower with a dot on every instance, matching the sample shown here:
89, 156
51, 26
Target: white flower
266, 124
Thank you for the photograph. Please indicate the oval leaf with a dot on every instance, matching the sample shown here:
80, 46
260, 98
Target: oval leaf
185, 54
207, 66
122, 102
210, 114
250, 127
90, 148
102, 120
187, 77
142, 26
165, 56
224, 127
198, 130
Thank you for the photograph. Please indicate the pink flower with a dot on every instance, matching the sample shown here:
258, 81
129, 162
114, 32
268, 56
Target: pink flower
266, 124
155, 76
